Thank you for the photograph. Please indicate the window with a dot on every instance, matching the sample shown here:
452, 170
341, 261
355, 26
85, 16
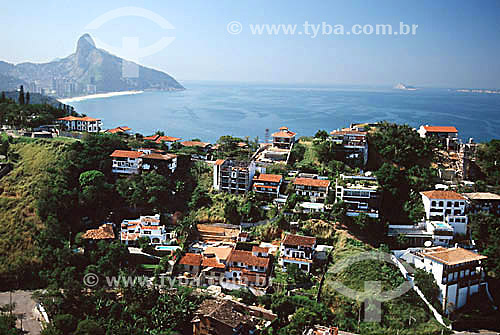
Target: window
441, 204
433, 203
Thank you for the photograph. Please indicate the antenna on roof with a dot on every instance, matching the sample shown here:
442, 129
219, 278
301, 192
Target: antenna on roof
266, 137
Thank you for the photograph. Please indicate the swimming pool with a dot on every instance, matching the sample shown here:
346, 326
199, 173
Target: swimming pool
167, 247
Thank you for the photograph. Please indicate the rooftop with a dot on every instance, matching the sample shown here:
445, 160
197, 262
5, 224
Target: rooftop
482, 196
311, 182
451, 256
126, 154
75, 118
191, 259
441, 129
299, 240
273, 178
195, 144
284, 132
246, 257
118, 130
448, 195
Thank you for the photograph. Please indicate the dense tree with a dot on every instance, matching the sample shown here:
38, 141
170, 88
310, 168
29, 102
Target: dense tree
488, 160
20, 100
231, 212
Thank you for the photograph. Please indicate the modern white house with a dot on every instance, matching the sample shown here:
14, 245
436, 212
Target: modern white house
145, 226
233, 176
299, 250
446, 207
249, 267
457, 271
351, 143
361, 194
483, 202
84, 124
316, 189
126, 161
135, 161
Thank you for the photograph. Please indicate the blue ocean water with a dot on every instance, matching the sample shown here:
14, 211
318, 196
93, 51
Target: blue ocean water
208, 110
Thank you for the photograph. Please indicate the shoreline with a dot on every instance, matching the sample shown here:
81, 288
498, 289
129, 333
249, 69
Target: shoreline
98, 96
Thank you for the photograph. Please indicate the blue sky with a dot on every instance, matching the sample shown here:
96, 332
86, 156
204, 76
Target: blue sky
456, 45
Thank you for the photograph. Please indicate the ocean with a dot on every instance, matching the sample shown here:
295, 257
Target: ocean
208, 110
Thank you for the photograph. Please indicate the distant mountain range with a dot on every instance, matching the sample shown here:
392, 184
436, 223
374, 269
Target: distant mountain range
87, 71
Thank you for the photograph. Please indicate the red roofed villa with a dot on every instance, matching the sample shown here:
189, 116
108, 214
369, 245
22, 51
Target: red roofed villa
284, 138
316, 189
268, 184
86, 124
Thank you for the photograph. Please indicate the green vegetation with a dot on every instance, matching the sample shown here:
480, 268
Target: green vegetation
487, 160
485, 231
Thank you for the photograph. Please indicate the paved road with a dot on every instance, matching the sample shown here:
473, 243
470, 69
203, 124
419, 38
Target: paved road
24, 310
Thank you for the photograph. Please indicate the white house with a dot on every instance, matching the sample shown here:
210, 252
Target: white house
86, 124
457, 271
316, 189
446, 207
299, 250
267, 184
126, 161
447, 135
145, 226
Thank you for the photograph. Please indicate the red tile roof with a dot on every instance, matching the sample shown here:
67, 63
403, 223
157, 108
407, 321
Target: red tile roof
247, 258
104, 232
440, 129
273, 178
118, 130
195, 144
452, 256
167, 139
152, 137
75, 118
348, 132
260, 249
126, 154
284, 132
448, 195
298, 240
311, 182
212, 262
157, 156
191, 259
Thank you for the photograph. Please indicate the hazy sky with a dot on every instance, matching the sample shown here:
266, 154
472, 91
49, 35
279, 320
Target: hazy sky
457, 42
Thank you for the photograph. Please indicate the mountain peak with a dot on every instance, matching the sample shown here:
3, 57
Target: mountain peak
85, 43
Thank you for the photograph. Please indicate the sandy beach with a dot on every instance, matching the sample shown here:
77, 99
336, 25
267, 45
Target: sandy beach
98, 96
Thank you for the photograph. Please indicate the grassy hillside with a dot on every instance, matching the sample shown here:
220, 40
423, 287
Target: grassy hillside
19, 221
404, 315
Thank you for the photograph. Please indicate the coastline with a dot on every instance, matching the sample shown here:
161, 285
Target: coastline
98, 96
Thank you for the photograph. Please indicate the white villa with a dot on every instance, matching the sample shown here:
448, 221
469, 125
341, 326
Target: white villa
316, 189
361, 194
457, 272
447, 207
145, 226
132, 162
86, 124
299, 250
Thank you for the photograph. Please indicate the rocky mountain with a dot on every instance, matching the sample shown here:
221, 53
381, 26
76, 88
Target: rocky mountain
88, 70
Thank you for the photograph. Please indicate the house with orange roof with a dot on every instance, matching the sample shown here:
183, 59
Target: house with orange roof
447, 135
248, 268
284, 138
267, 184
191, 263
145, 226
83, 124
133, 161
316, 189
298, 250
159, 139
446, 208
458, 273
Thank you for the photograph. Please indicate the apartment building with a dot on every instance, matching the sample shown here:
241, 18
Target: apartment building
316, 189
361, 194
83, 124
233, 176
267, 184
299, 250
350, 144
